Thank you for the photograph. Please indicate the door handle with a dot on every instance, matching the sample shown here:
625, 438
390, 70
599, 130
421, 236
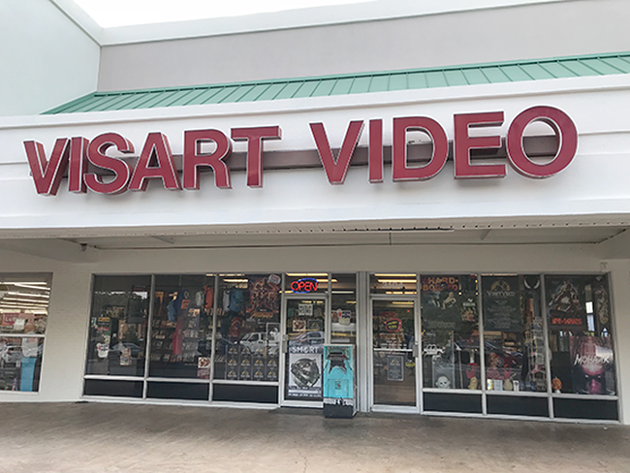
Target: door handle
416, 350
284, 344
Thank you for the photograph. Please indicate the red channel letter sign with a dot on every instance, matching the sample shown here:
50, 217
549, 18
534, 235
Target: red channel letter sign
75, 155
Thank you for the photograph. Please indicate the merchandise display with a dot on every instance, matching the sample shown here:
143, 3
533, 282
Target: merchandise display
23, 319
514, 333
181, 326
450, 340
118, 326
247, 337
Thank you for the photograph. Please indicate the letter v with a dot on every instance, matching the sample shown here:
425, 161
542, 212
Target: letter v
47, 174
336, 170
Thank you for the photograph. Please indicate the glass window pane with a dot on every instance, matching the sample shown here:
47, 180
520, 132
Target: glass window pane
181, 332
20, 363
580, 334
24, 303
118, 325
394, 363
248, 327
514, 344
344, 309
450, 332
394, 284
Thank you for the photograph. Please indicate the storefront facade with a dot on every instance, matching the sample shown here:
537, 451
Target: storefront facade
469, 238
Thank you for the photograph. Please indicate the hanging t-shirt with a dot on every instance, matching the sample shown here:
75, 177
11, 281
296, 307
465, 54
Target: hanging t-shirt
237, 300
209, 298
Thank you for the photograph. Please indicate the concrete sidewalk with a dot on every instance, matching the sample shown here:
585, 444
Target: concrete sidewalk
95, 437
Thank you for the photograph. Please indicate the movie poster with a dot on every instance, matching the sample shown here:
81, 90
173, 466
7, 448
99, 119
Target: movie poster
444, 305
565, 302
264, 296
592, 365
305, 375
501, 304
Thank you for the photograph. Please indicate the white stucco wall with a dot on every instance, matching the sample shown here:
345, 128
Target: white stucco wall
46, 59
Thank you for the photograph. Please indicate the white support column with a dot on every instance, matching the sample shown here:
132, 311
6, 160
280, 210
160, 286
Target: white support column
364, 341
65, 346
620, 289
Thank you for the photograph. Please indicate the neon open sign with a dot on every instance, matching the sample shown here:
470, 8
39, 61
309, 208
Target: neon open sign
304, 286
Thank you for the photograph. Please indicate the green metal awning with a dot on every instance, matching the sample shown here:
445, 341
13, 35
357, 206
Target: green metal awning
277, 89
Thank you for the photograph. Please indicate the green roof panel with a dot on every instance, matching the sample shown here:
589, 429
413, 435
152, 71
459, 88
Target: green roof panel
398, 82
325, 87
271, 91
360, 83
204, 95
417, 80
380, 83
307, 89
342, 87
579, 68
454, 78
621, 64
289, 90
475, 76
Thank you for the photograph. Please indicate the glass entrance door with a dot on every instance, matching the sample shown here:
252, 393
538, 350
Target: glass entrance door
394, 353
303, 346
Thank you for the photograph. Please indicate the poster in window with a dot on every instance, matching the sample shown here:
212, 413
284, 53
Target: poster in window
501, 304
565, 303
395, 368
305, 375
203, 368
592, 365
444, 305
264, 296
305, 310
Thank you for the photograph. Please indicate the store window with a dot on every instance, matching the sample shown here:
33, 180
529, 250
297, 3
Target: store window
247, 339
343, 309
118, 326
580, 335
514, 337
450, 332
181, 326
23, 316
